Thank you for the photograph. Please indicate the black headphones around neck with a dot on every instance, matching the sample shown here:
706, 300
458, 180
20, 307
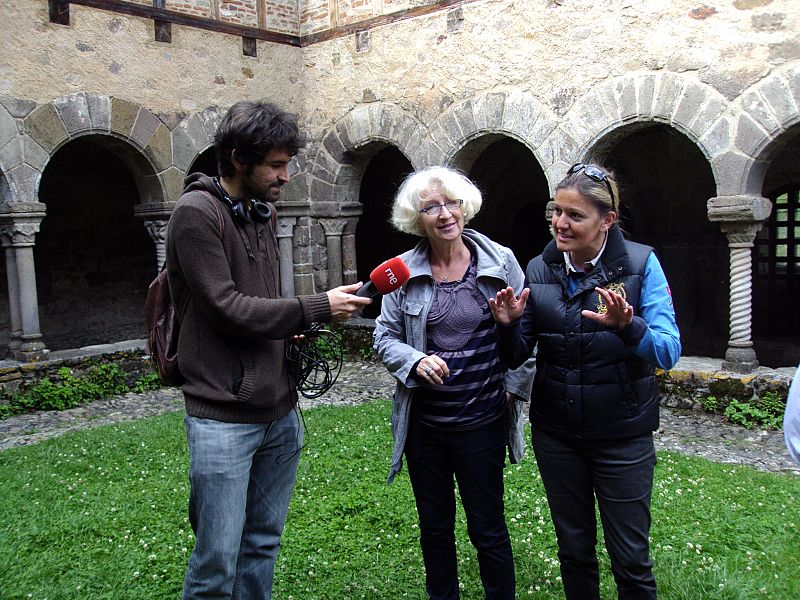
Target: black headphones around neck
259, 211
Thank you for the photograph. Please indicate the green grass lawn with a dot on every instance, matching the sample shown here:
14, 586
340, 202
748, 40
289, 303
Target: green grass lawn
102, 514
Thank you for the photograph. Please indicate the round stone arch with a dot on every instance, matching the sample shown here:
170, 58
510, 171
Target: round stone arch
461, 133
769, 109
139, 138
194, 135
641, 99
338, 162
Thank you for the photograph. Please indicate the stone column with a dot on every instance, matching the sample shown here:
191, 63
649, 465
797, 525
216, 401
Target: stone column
20, 224
158, 233
156, 216
740, 218
349, 267
285, 235
13, 294
333, 240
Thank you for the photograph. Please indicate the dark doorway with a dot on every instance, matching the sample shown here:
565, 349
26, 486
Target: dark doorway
205, 163
776, 264
515, 195
376, 239
665, 185
94, 259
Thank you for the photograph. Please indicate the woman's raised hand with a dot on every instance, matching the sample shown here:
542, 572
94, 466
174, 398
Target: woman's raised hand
618, 313
507, 308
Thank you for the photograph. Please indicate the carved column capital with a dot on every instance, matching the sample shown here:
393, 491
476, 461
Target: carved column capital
747, 209
19, 234
333, 227
286, 227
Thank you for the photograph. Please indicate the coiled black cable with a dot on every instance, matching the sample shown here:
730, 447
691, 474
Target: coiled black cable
316, 360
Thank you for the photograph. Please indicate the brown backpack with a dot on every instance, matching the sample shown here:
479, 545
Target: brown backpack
163, 324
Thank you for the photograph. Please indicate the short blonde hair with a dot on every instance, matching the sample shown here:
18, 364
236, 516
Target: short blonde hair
415, 189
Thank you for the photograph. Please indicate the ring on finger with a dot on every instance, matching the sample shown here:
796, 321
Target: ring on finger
428, 370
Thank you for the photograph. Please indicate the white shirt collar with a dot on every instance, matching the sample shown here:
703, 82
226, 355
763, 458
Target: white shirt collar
571, 268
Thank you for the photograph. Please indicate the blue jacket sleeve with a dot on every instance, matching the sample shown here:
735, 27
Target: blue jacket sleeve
660, 344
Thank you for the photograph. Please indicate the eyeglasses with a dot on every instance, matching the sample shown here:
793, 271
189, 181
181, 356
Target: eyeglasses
434, 209
595, 173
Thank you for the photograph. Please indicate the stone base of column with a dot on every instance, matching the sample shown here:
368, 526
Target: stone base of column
30, 351
740, 360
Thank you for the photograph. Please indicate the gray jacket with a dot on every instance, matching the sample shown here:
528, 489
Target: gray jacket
400, 334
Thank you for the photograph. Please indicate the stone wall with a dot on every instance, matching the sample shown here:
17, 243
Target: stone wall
438, 81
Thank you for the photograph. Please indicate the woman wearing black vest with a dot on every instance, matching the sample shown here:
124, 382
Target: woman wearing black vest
597, 308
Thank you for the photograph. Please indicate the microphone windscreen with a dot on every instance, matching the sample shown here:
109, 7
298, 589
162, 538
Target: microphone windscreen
390, 275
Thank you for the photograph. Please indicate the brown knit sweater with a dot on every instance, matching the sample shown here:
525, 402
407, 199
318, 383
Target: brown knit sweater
231, 348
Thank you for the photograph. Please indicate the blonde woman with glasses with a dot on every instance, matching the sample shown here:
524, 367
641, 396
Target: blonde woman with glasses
598, 310
456, 408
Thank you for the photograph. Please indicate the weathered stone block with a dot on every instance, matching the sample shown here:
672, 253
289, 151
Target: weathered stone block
539, 130
74, 112
8, 128
718, 138
625, 91
17, 107
184, 150
750, 138
160, 147
755, 105
45, 126
730, 172
34, 155
574, 127
99, 111
694, 97
333, 145
708, 115
171, 182
646, 87
144, 127
592, 114
123, 116
11, 154
465, 119
24, 181
778, 96
666, 97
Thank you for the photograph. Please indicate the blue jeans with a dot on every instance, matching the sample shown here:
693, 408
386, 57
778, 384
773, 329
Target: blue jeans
619, 473
241, 477
476, 459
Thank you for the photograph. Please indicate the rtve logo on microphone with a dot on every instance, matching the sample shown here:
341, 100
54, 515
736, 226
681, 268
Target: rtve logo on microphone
391, 275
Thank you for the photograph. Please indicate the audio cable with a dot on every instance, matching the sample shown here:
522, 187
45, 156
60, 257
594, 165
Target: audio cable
316, 360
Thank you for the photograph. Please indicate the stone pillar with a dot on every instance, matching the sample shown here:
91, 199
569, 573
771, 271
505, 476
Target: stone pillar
285, 235
156, 217
333, 240
740, 218
13, 295
349, 267
158, 233
20, 224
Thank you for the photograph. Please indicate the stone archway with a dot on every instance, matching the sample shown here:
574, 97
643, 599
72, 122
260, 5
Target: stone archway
141, 141
336, 170
767, 144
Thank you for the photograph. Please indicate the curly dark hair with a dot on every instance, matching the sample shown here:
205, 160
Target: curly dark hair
252, 130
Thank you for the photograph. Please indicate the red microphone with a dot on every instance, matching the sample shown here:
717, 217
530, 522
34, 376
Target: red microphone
385, 278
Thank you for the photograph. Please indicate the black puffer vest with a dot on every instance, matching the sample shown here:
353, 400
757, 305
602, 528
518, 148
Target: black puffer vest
589, 384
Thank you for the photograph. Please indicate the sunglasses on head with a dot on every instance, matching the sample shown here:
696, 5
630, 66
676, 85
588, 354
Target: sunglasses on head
595, 173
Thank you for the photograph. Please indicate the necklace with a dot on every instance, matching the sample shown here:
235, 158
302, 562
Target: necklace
457, 267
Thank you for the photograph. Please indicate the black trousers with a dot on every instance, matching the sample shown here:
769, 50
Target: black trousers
619, 474
476, 459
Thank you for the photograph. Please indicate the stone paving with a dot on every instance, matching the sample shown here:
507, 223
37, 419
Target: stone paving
688, 432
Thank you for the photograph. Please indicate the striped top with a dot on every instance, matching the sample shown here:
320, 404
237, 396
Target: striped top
461, 331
